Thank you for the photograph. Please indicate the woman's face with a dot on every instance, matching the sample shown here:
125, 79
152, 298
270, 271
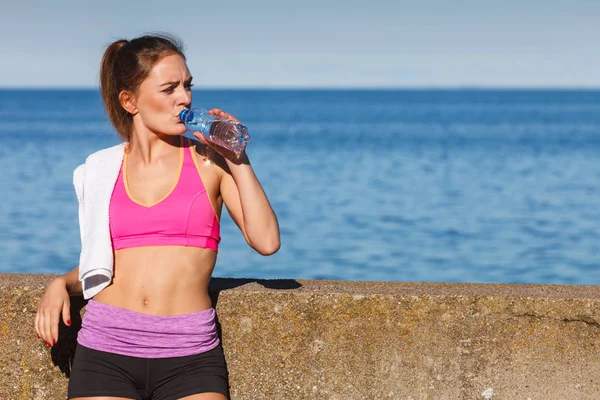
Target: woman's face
163, 95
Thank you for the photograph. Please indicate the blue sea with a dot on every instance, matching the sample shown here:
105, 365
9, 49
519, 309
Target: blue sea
487, 186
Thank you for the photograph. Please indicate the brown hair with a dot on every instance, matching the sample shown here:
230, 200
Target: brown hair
124, 66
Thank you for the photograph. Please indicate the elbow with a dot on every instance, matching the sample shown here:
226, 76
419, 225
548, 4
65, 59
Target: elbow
269, 247
265, 241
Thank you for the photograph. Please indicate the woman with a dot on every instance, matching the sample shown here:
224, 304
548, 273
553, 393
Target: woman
149, 214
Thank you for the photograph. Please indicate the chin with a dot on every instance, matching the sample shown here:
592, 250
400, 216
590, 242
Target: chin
180, 131
170, 134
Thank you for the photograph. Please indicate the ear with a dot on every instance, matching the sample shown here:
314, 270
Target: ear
127, 100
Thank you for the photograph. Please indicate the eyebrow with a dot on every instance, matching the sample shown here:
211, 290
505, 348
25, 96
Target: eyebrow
189, 80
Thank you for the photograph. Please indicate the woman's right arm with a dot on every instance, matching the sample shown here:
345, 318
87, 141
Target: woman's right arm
55, 303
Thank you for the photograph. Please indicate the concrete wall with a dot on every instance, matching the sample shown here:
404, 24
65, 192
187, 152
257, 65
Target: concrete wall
287, 339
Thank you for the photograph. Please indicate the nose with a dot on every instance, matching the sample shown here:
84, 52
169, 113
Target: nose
185, 96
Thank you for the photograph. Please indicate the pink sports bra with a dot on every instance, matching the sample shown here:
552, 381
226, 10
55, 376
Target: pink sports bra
183, 217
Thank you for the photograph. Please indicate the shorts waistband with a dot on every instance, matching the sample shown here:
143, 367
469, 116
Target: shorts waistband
130, 333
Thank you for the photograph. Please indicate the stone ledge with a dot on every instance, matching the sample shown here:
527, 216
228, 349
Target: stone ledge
287, 339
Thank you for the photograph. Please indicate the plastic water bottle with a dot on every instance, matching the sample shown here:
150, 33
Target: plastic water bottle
224, 132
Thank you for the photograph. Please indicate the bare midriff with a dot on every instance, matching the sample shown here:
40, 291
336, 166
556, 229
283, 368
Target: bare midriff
161, 280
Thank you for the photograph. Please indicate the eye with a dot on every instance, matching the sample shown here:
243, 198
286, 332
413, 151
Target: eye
169, 90
189, 86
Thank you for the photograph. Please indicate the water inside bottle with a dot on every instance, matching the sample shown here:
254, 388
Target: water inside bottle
229, 134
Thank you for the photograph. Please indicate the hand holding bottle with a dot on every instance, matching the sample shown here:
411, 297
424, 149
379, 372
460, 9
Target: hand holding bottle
218, 129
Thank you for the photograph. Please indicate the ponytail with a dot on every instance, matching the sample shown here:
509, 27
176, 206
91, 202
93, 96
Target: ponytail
110, 89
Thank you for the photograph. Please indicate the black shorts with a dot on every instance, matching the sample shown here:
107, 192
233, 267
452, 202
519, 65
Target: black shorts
98, 373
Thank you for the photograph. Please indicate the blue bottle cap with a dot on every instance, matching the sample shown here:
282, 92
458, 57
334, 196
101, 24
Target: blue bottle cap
183, 114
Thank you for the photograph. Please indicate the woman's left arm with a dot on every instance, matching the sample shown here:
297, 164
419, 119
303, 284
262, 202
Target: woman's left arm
245, 198
249, 207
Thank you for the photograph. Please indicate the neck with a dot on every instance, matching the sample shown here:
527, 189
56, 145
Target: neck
149, 148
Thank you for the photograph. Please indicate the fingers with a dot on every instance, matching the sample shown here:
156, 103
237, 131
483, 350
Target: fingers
39, 324
214, 146
219, 149
42, 326
220, 113
35, 324
66, 312
226, 153
201, 138
205, 141
54, 317
46, 323
47, 329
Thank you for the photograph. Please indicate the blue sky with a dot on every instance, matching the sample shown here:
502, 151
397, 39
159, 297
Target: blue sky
306, 44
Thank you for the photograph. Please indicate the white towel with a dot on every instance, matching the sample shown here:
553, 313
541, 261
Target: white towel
94, 183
